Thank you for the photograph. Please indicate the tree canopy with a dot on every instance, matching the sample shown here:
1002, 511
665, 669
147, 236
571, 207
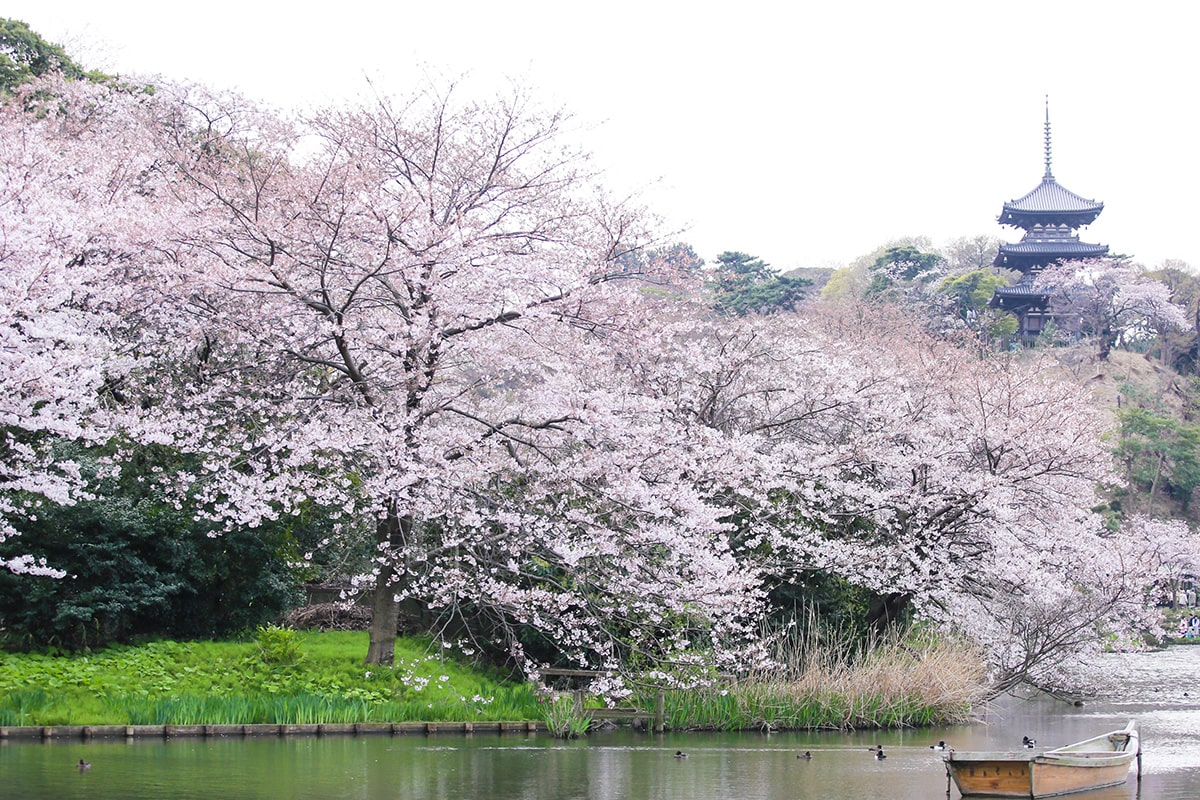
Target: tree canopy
25, 55
746, 284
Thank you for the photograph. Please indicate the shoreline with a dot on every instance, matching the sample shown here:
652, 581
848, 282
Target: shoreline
47, 733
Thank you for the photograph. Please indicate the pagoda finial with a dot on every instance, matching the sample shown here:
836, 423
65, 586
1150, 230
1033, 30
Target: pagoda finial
1049, 175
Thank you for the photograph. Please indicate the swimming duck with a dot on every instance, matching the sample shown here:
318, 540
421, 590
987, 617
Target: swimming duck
806, 755
1029, 742
680, 754
82, 766
938, 746
879, 754
875, 748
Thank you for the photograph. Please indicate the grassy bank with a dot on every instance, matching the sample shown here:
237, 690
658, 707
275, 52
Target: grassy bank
288, 677
292, 678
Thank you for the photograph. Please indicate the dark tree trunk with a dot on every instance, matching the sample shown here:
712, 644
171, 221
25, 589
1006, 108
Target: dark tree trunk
1107, 339
886, 612
390, 535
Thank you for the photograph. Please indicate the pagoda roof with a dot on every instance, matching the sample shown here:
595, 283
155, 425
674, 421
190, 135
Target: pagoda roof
1050, 203
1021, 295
1057, 248
1026, 255
1017, 298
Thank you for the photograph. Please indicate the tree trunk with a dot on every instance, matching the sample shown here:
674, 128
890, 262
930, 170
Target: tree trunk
886, 612
1154, 483
1193, 349
390, 535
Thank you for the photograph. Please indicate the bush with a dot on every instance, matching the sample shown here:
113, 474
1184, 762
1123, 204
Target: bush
138, 565
278, 646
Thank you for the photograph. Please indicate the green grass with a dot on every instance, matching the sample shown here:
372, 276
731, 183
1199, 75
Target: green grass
241, 683
297, 678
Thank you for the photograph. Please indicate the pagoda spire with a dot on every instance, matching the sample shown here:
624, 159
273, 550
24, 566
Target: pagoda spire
1049, 176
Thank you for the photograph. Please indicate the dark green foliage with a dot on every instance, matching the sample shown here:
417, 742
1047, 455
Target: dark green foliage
901, 265
137, 565
746, 284
24, 55
1161, 454
906, 262
837, 606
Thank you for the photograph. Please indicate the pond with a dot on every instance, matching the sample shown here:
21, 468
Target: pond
1161, 691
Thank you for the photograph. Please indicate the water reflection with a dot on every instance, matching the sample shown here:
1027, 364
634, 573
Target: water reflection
627, 766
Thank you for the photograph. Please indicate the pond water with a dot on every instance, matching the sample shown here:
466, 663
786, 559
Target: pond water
623, 765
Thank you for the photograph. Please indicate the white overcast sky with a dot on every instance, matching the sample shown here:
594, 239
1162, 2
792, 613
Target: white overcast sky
807, 133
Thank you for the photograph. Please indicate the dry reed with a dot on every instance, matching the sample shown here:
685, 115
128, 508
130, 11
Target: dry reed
829, 682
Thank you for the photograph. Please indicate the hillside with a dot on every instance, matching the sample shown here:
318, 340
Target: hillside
1125, 378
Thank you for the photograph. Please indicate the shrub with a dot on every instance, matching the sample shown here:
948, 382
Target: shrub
139, 565
278, 646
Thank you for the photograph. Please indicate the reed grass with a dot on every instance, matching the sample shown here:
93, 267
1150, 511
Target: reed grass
23, 706
563, 719
823, 683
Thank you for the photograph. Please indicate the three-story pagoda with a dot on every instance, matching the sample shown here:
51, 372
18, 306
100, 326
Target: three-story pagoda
1050, 216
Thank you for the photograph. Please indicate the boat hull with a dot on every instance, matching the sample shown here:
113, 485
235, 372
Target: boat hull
1035, 777
1092, 764
991, 777
1054, 778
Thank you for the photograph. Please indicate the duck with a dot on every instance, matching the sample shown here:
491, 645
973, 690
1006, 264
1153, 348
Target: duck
875, 748
1029, 742
83, 766
939, 746
880, 755
806, 755
680, 754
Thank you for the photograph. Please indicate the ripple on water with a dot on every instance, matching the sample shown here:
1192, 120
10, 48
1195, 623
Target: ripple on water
1161, 690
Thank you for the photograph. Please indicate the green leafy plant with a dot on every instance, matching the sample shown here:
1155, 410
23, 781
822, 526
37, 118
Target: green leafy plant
564, 720
278, 646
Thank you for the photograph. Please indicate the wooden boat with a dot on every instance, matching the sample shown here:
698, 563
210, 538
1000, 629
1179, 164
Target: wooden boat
1091, 764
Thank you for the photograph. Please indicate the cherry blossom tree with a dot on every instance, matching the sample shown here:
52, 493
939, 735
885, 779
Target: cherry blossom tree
1166, 549
418, 312
1046, 637
78, 230
1109, 300
942, 481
